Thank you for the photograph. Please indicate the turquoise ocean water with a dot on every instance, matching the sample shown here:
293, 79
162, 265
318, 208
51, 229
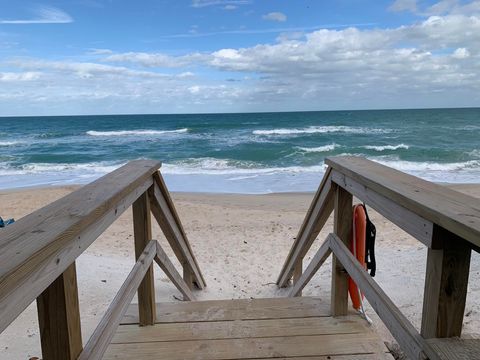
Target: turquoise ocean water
242, 153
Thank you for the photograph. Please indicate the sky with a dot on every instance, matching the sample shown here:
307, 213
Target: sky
195, 56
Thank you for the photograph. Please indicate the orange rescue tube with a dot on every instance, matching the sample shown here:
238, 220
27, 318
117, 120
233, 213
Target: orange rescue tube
357, 247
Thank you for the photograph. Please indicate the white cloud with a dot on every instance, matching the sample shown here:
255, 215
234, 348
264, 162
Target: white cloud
275, 16
442, 7
433, 62
230, 7
461, 53
153, 59
204, 3
83, 69
404, 5
276, 30
16, 76
99, 51
43, 15
194, 89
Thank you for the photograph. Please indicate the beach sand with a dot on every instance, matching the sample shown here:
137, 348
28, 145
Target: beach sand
241, 242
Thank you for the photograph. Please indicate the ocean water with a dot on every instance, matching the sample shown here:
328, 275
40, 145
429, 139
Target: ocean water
239, 153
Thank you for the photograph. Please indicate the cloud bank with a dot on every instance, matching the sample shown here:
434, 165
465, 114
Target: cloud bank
434, 62
43, 15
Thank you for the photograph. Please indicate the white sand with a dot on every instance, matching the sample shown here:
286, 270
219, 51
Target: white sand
240, 242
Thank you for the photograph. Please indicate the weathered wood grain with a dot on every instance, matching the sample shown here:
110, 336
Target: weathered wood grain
320, 210
100, 339
407, 220
446, 284
406, 335
39, 247
342, 225
456, 349
322, 254
170, 225
59, 318
249, 348
454, 211
238, 309
142, 232
166, 265
234, 329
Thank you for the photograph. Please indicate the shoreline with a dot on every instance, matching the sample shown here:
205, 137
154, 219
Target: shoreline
240, 241
465, 185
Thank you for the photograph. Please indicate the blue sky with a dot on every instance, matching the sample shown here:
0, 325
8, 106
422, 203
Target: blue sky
106, 56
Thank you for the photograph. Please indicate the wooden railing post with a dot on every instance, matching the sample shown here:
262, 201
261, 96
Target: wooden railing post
446, 281
297, 273
142, 231
59, 318
343, 229
188, 278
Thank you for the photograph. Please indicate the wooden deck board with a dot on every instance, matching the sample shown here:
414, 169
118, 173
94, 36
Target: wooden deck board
237, 329
249, 348
279, 328
455, 348
245, 309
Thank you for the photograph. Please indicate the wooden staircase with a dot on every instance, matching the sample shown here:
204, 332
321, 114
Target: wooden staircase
38, 254
286, 328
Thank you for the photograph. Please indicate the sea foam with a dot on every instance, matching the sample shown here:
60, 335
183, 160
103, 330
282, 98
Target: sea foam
321, 130
9, 143
386, 147
135, 132
319, 149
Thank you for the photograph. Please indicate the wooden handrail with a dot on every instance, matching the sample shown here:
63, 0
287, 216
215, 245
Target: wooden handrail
403, 331
318, 213
38, 248
100, 339
166, 215
38, 253
320, 257
446, 221
166, 265
450, 209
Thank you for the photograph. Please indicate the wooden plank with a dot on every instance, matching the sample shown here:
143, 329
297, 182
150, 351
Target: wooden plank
240, 329
169, 225
343, 229
297, 274
23, 285
322, 254
386, 356
101, 337
446, 284
407, 220
320, 210
452, 210
456, 349
59, 318
239, 309
250, 348
158, 178
402, 330
188, 279
314, 202
72, 212
166, 265
142, 231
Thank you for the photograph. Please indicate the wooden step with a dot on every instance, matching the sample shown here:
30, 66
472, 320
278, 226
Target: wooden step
455, 348
280, 328
239, 309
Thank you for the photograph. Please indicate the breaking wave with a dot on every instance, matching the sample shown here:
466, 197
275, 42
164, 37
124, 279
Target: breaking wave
386, 147
319, 149
135, 132
322, 130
